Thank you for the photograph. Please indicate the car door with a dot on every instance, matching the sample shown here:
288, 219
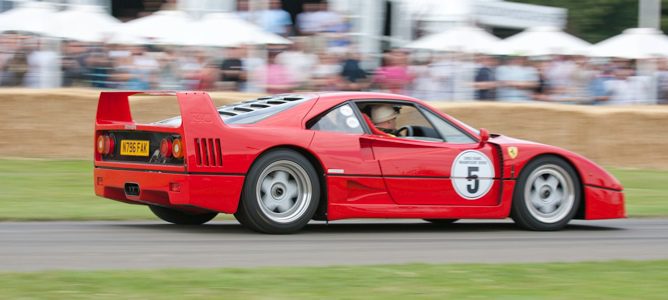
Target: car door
455, 170
337, 140
352, 173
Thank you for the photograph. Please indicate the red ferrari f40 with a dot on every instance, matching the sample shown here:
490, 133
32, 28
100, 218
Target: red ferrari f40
278, 162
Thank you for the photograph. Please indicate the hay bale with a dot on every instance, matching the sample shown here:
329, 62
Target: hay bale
59, 124
629, 136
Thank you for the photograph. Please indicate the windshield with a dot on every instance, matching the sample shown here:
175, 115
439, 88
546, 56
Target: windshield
476, 131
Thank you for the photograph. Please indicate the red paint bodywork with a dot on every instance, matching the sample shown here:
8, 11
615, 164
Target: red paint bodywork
384, 177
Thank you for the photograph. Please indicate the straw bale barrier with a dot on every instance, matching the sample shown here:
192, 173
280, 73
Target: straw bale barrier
59, 124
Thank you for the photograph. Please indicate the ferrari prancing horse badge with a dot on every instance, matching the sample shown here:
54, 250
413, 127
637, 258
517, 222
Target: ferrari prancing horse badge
512, 152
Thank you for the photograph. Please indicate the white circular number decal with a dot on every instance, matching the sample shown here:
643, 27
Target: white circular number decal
352, 122
472, 174
346, 111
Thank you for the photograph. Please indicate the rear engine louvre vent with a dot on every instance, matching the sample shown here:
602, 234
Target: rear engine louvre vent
260, 107
208, 152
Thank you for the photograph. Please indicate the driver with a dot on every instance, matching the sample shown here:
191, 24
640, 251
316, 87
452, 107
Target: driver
384, 117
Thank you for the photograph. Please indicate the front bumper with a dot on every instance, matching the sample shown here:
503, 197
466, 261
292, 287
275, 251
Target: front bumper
213, 192
602, 203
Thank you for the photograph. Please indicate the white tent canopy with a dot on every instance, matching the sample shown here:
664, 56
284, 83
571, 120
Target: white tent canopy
92, 24
634, 43
169, 27
225, 30
85, 23
80, 22
543, 40
32, 17
459, 39
161, 27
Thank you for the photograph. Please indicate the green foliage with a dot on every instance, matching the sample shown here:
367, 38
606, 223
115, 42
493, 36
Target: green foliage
596, 20
603, 280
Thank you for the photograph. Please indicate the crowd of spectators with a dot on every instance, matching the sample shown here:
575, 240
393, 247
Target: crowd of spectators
570, 79
323, 57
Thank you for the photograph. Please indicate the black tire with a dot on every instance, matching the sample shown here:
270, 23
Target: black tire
256, 210
180, 217
532, 204
441, 221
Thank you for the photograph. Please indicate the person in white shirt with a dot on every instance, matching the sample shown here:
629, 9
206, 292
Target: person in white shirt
326, 75
43, 68
307, 21
627, 89
318, 18
299, 63
275, 19
516, 80
560, 75
330, 21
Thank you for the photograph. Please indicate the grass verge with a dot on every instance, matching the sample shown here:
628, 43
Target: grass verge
646, 191
605, 280
63, 190
57, 190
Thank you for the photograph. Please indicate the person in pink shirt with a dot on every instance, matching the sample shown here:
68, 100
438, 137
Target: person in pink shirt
393, 76
278, 78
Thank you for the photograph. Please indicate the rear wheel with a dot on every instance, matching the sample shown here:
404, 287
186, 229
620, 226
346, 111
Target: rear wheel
441, 221
180, 217
281, 193
547, 195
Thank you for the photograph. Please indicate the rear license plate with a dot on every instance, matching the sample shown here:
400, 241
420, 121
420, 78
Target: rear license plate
134, 148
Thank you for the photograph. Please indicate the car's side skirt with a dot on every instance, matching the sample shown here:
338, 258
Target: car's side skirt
384, 208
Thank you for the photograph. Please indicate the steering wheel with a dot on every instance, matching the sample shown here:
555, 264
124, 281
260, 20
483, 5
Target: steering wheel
408, 129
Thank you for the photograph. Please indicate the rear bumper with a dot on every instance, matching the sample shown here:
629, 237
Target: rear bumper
602, 203
215, 192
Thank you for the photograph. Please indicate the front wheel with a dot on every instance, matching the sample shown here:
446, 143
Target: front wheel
547, 195
281, 193
180, 217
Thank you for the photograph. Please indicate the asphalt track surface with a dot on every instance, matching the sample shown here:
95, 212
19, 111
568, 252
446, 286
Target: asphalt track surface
27, 246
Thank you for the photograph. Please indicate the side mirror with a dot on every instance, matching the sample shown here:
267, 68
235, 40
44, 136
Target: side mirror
484, 136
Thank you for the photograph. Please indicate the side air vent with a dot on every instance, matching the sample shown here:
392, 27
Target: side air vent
292, 98
499, 152
244, 109
227, 113
208, 152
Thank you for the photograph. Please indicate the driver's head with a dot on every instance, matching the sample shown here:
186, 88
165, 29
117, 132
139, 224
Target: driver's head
384, 116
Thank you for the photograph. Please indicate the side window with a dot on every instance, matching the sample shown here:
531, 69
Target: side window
340, 119
449, 132
402, 120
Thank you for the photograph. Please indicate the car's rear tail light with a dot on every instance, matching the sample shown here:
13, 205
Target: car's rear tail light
100, 144
166, 148
177, 148
105, 144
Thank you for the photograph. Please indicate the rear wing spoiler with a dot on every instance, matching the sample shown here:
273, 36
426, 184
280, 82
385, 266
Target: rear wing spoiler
201, 126
198, 113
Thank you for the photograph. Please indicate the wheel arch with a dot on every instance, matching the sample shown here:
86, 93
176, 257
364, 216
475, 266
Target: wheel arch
321, 212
